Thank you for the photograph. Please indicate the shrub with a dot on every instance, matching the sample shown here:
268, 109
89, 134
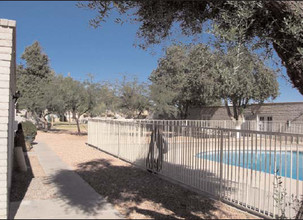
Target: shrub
29, 130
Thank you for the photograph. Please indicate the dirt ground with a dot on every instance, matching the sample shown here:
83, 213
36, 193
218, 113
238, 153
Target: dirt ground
134, 192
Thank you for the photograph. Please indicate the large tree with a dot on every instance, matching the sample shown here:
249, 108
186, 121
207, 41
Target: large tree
54, 103
242, 80
78, 98
183, 79
274, 23
162, 101
33, 80
133, 97
169, 81
107, 99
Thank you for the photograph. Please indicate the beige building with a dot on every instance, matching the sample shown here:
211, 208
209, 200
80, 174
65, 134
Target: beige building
7, 109
267, 112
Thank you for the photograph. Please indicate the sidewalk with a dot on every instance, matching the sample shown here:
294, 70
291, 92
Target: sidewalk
57, 192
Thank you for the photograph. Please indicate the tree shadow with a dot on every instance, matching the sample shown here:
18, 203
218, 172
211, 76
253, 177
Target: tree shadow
138, 191
198, 179
81, 134
63, 131
72, 194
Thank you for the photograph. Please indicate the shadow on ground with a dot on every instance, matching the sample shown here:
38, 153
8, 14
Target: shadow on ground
20, 183
72, 193
63, 131
137, 191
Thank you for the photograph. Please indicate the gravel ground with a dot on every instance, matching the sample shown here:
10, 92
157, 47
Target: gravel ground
134, 192
20, 183
35, 165
33, 184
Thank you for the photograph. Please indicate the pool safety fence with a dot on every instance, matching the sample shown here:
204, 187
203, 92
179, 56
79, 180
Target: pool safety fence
259, 171
270, 126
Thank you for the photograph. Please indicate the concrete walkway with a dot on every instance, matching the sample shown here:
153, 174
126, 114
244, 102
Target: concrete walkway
70, 197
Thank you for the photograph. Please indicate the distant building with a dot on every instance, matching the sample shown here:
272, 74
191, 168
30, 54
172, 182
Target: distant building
275, 112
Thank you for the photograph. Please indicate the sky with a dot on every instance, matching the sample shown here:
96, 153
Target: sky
75, 47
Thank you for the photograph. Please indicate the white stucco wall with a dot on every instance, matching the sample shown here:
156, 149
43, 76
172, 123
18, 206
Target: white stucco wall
7, 109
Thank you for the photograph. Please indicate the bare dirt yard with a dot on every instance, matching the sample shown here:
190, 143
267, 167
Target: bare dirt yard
135, 193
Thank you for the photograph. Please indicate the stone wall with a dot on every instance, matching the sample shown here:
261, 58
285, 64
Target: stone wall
281, 112
7, 109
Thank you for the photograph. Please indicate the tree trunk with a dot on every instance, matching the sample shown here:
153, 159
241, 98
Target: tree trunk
139, 115
45, 123
239, 122
45, 126
37, 119
186, 111
287, 50
286, 45
78, 125
76, 118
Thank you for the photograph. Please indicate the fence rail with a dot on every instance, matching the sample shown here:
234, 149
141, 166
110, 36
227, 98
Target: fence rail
279, 126
242, 169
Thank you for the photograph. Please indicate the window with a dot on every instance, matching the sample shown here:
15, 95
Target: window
265, 123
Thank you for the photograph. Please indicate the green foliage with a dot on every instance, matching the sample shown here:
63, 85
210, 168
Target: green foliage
133, 97
44, 92
279, 196
273, 24
195, 76
281, 202
202, 79
163, 100
78, 97
107, 99
29, 129
183, 79
33, 78
53, 98
242, 77
169, 82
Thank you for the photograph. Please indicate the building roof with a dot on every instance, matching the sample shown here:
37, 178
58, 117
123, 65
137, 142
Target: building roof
254, 104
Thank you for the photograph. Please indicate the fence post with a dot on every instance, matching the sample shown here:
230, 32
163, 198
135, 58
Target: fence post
139, 133
118, 139
153, 147
221, 164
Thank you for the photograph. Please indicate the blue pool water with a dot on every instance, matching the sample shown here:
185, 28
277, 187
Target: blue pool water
262, 161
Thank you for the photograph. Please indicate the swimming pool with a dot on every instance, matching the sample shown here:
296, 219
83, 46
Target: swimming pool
286, 162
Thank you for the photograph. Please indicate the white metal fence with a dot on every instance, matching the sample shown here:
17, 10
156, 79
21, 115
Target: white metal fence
244, 170
284, 127
248, 125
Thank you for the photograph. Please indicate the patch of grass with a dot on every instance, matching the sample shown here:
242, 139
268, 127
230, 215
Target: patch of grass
64, 123
69, 126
